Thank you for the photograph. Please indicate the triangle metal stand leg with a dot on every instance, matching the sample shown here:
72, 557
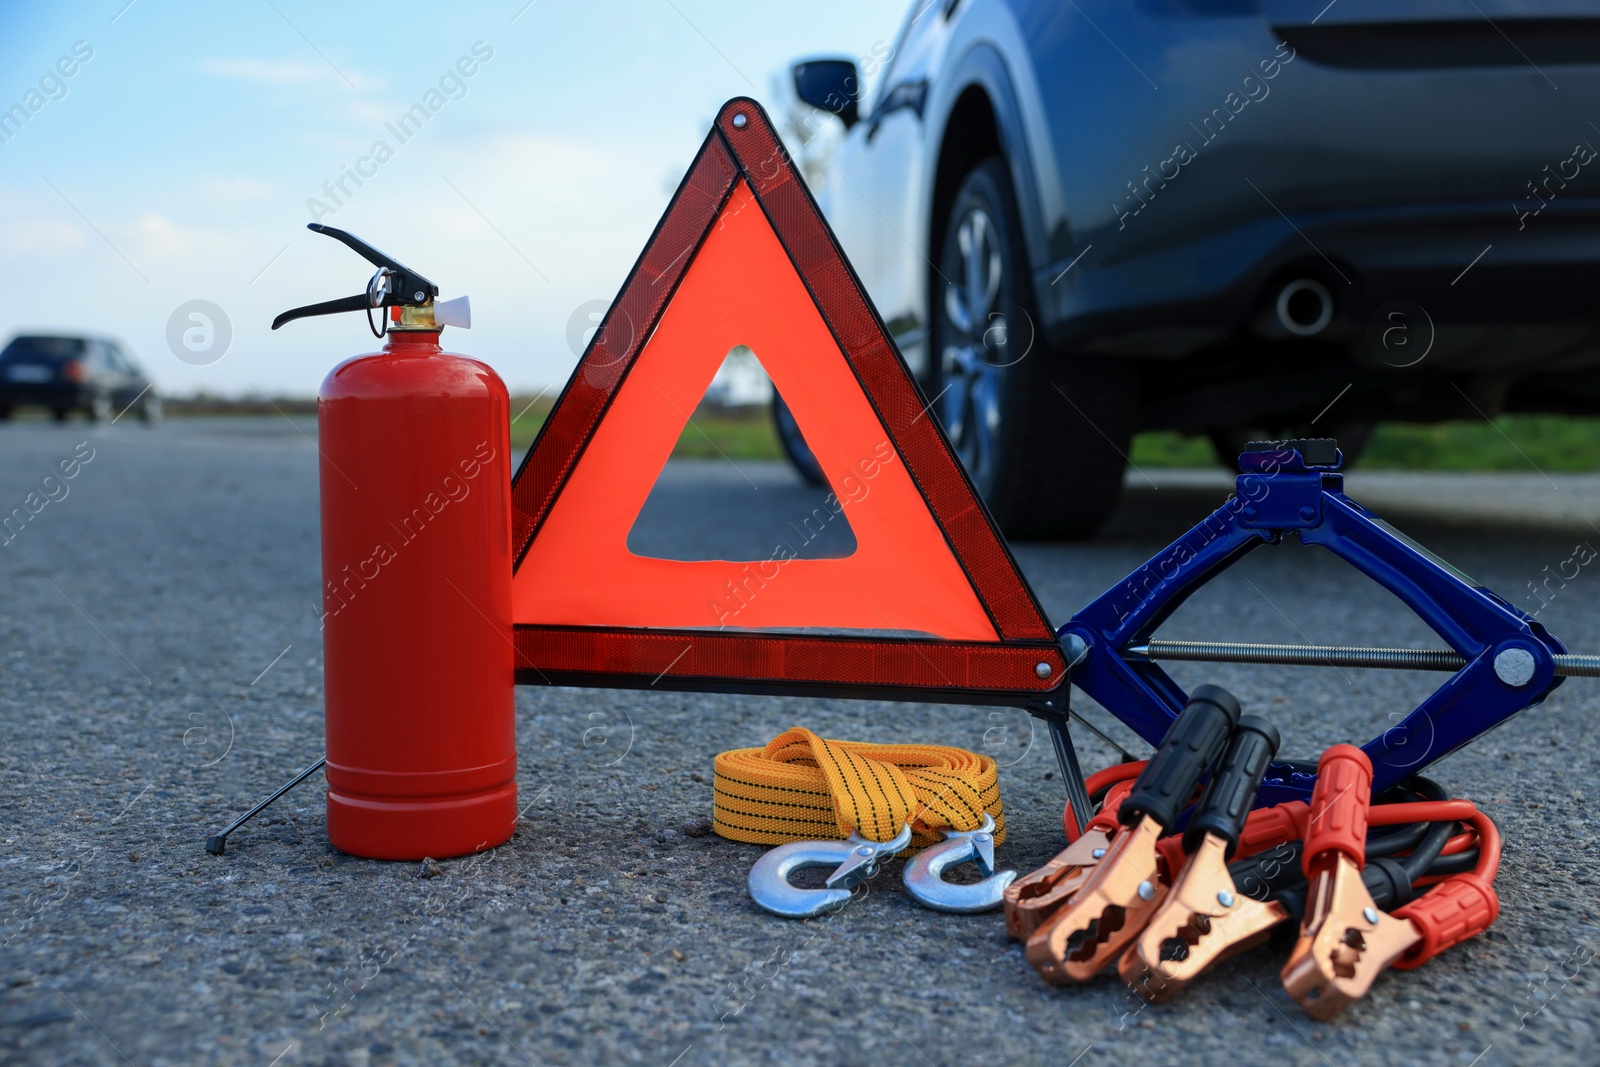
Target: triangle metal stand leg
1067, 760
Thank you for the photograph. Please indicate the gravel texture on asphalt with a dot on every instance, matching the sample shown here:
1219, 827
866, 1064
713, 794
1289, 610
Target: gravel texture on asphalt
162, 671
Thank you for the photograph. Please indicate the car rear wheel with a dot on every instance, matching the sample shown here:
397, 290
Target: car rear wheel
794, 443
1043, 434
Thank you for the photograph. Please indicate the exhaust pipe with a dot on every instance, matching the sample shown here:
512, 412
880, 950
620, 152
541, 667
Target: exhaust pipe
1304, 307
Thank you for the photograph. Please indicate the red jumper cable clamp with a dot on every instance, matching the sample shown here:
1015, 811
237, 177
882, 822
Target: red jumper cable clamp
1345, 939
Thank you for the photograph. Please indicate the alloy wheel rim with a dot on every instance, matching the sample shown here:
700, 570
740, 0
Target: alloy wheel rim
974, 353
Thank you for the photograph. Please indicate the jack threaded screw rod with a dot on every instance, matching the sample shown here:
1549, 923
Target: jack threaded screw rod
1567, 664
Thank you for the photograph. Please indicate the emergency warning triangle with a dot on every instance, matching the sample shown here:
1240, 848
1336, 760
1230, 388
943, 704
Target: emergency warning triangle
930, 600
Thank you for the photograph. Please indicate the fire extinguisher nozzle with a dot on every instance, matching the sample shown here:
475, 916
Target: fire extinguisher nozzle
453, 312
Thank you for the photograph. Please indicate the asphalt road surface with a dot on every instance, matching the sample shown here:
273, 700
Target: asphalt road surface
161, 670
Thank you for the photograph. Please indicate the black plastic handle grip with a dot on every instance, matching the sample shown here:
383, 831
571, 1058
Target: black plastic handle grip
1384, 878
326, 307
1225, 804
1260, 876
1192, 745
367, 252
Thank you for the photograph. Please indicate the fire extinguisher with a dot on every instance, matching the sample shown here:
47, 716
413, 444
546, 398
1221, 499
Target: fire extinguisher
416, 591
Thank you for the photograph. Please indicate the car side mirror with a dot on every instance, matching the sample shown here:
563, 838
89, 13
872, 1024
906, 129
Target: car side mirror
830, 85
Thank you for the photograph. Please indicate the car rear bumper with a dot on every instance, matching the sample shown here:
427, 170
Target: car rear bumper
18, 394
1464, 264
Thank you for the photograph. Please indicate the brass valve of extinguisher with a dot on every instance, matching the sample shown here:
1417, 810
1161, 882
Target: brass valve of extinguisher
394, 285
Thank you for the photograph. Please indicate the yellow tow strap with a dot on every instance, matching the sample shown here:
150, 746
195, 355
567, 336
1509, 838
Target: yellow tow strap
801, 787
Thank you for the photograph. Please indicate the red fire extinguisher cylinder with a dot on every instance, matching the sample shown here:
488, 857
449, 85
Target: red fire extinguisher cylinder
416, 580
416, 561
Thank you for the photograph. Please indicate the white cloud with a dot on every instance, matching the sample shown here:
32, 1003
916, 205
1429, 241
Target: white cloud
154, 236
371, 112
282, 71
235, 189
42, 237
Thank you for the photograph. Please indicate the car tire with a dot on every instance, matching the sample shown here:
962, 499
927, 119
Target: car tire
61, 414
5, 414
794, 443
151, 410
1043, 434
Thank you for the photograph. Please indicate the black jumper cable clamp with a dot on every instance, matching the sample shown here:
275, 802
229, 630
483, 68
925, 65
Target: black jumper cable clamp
1503, 660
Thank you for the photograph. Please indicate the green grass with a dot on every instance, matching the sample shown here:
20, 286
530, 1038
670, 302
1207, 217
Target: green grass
1512, 443
711, 433
1167, 449
737, 438
525, 427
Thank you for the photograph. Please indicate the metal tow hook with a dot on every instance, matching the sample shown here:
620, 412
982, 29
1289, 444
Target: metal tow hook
924, 875
855, 860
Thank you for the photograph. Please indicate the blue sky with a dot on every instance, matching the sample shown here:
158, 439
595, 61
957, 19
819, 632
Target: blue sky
177, 162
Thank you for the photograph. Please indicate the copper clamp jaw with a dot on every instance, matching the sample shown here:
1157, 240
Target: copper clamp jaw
1344, 944
1204, 919
1119, 895
1033, 898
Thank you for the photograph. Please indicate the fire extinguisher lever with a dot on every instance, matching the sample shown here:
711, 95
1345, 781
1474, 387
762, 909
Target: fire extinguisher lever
373, 256
393, 285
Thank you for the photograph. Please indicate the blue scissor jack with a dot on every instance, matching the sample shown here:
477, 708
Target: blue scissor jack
1503, 660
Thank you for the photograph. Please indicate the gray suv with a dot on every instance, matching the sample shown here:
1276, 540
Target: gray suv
1233, 218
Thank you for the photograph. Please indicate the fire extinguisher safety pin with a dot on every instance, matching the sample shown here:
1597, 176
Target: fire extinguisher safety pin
854, 861
924, 875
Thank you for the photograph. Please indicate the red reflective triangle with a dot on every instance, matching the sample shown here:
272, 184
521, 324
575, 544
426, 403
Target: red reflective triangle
930, 600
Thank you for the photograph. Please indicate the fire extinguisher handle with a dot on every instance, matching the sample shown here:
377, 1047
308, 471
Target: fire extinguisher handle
370, 254
395, 284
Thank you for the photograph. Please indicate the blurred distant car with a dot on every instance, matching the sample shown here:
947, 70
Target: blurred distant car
1234, 218
68, 374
